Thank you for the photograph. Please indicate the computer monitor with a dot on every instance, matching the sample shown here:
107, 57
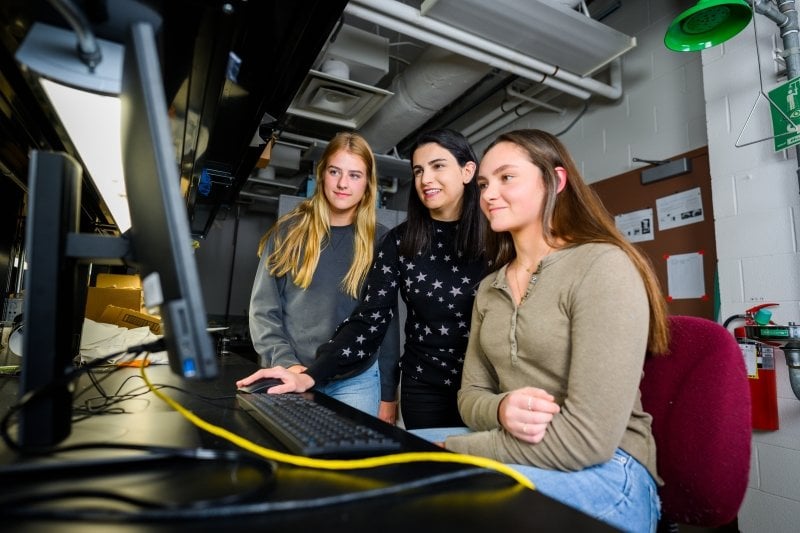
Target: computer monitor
158, 245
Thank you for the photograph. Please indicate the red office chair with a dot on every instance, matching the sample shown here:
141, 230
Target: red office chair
699, 398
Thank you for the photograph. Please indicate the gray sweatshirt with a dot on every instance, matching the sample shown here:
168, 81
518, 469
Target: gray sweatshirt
288, 323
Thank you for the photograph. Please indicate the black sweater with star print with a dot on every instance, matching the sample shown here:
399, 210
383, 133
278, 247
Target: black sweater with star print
438, 288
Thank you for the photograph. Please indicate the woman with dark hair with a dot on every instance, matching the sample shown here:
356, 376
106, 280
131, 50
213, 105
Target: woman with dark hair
435, 259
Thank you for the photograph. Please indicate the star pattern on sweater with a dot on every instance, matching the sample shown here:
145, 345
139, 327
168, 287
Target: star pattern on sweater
438, 288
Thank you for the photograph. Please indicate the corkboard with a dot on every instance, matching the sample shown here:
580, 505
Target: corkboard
625, 194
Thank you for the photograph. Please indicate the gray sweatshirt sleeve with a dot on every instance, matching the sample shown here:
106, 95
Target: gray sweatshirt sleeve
266, 318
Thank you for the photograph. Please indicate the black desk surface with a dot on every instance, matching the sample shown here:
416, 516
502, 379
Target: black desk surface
288, 497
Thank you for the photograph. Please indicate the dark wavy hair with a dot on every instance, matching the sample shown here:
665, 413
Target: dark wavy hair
469, 239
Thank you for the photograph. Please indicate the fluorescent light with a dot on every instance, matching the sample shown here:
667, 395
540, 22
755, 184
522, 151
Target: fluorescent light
92, 122
87, 104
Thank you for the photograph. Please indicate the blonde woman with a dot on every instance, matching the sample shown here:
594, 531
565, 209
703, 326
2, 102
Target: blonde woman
313, 263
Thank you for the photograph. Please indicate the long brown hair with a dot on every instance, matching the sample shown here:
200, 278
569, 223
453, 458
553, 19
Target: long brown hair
576, 215
296, 250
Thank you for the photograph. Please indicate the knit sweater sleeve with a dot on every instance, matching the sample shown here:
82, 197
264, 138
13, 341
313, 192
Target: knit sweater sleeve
591, 360
266, 314
389, 355
360, 335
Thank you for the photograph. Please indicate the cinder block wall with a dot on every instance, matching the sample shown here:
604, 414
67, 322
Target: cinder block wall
676, 102
756, 210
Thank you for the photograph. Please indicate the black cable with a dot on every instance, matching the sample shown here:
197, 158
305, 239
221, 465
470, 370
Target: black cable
107, 401
74, 494
104, 404
575, 120
32, 395
731, 319
231, 274
21, 473
31, 506
228, 511
154, 453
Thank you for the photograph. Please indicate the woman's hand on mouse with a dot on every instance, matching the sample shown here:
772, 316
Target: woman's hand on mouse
292, 381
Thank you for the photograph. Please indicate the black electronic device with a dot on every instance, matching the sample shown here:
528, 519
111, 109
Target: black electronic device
158, 244
313, 425
160, 235
262, 385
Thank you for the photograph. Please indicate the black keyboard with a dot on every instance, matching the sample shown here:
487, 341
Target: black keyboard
308, 428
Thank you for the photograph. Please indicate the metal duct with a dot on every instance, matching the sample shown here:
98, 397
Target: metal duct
409, 21
436, 79
456, 61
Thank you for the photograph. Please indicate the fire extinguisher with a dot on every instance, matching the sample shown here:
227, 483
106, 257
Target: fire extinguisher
760, 358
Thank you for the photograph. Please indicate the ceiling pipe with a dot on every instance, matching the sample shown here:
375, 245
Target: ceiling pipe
447, 43
492, 53
786, 17
501, 121
503, 116
541, 103
508, 118
503, 109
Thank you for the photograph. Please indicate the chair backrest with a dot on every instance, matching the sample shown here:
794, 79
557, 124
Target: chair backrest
699, 398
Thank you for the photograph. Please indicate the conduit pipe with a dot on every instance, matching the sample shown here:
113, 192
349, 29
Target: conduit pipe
505, 117
785, 16
395, 15
502, 117
508, 118
502, 110
790, 34
519, 96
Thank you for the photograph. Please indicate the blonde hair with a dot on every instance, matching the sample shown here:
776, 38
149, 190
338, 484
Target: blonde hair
577, 215
299, 235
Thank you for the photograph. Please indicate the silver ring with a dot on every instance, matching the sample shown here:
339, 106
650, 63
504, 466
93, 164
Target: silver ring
529, 403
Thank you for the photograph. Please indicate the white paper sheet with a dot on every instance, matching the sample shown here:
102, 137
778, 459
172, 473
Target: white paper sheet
680, 209
685, 276
637, 226
99, 339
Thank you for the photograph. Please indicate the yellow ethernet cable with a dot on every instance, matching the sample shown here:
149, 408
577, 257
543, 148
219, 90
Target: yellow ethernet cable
338, 464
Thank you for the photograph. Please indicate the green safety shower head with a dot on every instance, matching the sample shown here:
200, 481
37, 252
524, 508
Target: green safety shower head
706, 24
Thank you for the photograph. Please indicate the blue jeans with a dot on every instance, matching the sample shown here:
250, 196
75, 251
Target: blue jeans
620, 492
362, 391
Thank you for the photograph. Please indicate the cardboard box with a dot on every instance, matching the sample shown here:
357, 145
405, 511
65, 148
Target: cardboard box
118, 281
98, 298
128, 318
120, 290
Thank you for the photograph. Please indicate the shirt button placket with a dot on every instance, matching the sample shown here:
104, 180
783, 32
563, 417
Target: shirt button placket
513, 336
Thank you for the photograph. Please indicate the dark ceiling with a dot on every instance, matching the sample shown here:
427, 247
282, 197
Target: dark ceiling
221, 121
275, 41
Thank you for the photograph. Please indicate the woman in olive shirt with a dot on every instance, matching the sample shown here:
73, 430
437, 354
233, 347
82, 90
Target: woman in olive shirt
558, 338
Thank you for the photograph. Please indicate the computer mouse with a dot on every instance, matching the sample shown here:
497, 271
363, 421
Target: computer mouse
262, 385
